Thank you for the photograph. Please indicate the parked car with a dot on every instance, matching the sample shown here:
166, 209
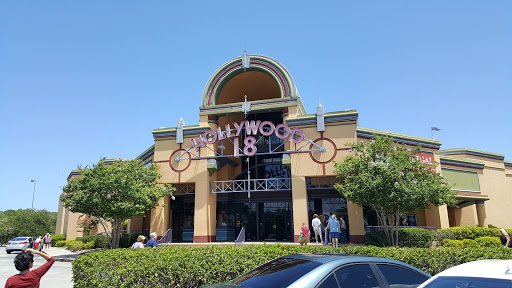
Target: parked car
491, 273
330, 271
19, 244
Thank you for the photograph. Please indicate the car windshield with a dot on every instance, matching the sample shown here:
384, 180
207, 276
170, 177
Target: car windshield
469, 282
19, 239
277, 273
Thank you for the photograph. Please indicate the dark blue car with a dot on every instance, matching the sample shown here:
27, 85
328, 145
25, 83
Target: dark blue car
330, 271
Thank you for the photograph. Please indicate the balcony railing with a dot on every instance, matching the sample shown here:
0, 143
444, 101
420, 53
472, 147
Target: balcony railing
253, 185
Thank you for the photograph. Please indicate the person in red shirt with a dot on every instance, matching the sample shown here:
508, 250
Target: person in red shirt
26, 278
304, 234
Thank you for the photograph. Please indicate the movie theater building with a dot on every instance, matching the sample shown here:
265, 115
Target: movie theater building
258, 160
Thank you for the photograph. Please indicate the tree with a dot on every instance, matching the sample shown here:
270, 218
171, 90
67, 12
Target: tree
26, 222
391, 180
115, 191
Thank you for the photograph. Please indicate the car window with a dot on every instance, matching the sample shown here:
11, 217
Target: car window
280, 272
19, 239
469, 282
401, 277
356, 275
330, 282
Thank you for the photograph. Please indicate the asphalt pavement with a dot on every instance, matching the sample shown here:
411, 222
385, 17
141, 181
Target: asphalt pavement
59, 275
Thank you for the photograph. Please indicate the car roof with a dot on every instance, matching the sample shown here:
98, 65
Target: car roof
342, 258
490, 268
330, 262
335, 260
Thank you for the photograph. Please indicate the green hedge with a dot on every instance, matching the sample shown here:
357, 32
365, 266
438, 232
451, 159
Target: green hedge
181, 267
407, 237
57, 237
100, 241
487, 241
461, 233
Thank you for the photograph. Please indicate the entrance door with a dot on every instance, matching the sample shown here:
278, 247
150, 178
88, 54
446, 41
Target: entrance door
265, 217
276, 221
182, 218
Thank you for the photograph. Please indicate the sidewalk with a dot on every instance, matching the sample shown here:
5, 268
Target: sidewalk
62, 255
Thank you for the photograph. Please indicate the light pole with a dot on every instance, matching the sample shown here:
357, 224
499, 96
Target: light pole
34, 192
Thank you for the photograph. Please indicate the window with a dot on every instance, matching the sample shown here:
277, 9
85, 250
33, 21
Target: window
357, 275
462, 180
277, 273
401, 277
330, 282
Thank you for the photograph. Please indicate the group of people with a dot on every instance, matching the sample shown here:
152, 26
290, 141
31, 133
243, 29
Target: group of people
332, 229
140, 241
43, 242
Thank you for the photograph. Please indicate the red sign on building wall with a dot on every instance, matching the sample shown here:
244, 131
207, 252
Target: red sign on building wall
426, 158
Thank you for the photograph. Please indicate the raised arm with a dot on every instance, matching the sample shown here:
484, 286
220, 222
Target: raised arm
42, 254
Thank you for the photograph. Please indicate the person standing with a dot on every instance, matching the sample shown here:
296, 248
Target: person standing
334, 228
152, 240
505, 238
326, 230
343, 230
47, 241
317, 228
37, 243
304, 234
139, 243
26, 278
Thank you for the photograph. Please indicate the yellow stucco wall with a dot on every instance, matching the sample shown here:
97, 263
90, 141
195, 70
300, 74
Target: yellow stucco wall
495, 183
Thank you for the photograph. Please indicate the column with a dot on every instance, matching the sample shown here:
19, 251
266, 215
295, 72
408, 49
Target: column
205, 211
300, 205
437, 217
356, 222
468, 216
159, 222
481, 214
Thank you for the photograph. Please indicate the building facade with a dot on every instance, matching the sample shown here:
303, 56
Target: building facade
257, 160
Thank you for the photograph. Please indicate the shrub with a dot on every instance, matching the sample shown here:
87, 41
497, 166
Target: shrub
488, 241
89, 245
481, 242
61, 243
407, 237
75, 245
415, 237
460, 233
57, 237
99, 241
179, 266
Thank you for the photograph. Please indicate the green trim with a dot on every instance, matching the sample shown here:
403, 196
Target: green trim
397, 135
146, 152
73, 172
326, 115
476, 197
473, 152
461, 160
173, 129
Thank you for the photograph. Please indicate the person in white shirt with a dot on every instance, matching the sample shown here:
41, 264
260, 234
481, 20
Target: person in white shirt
317, 228
139, 243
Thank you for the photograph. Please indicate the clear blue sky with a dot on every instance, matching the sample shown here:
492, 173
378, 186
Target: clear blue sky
81, 80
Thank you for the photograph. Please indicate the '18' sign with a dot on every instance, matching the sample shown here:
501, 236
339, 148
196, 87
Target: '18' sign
252, 128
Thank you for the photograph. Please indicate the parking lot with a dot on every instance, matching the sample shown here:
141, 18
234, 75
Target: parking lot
59, 276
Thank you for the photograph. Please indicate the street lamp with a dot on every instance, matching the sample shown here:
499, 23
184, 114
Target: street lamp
33, 193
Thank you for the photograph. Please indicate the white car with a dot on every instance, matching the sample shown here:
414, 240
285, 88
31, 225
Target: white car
19, 244
490, 273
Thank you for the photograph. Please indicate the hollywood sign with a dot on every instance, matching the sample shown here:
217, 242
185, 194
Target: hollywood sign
250, 129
